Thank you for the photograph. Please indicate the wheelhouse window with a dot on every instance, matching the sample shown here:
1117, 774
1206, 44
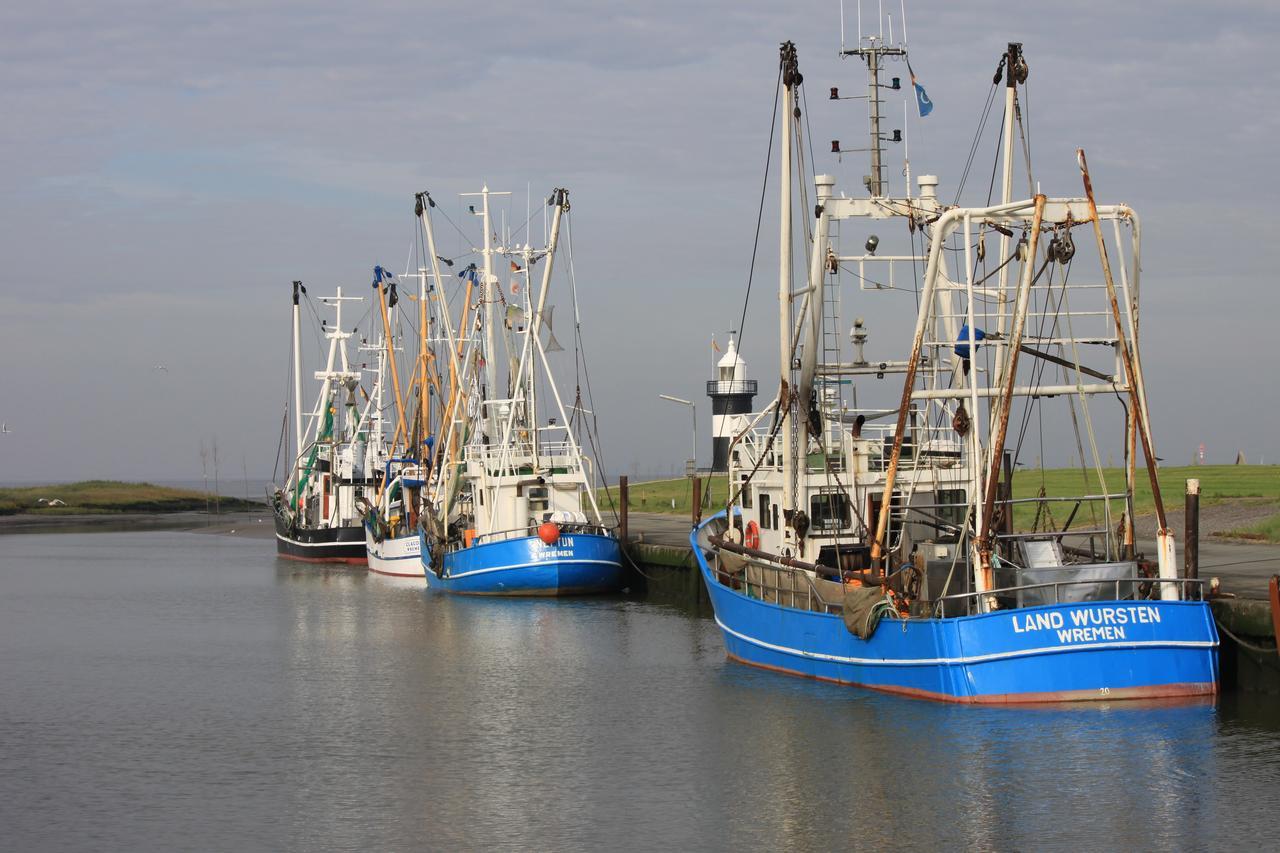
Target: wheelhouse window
829, 511
538, 501
766, 519
746, 490
953, 506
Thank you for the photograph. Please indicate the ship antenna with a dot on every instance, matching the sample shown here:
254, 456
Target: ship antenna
842, 26
873, 53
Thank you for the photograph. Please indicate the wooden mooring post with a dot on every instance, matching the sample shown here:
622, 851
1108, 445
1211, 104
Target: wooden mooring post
1274, 590
696, 509
623, 532
1191, 539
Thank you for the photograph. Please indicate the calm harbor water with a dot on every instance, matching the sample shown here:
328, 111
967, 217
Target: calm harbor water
185, 691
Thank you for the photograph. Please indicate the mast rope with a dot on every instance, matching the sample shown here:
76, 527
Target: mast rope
982, 126
284, 425
592, 430
764, 185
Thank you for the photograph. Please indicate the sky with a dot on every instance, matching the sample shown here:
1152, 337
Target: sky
169, 168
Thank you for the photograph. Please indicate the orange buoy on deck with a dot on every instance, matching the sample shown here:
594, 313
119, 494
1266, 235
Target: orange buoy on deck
549, 532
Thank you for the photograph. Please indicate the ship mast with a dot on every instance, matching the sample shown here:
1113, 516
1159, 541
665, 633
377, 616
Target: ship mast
560, 202
1015, 72
486, 293
488, 298
873, 54
442, 472
790, 79
389, 339
297, 380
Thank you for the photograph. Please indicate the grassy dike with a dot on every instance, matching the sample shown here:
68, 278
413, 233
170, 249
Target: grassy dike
1218, 483
110, 496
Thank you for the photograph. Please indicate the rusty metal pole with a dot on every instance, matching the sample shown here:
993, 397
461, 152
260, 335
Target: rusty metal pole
1005, 399
1130, 480
1191, 539
623, 531
1133, 377
1008, 493
1126, 356
941, 227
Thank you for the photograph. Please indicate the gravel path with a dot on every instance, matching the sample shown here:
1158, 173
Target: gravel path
1215, 518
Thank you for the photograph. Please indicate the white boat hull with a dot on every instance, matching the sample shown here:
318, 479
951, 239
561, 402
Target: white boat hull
395, 556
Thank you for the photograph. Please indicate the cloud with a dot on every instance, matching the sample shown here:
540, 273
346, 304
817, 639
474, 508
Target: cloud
217, 151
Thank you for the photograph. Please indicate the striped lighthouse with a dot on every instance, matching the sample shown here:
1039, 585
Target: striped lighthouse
731, 393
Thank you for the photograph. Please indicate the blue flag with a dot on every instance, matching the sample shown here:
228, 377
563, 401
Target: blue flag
922, 98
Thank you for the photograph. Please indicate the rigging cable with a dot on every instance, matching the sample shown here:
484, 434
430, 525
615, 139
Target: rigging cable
764, 185
281, 446
982, 125
593, 432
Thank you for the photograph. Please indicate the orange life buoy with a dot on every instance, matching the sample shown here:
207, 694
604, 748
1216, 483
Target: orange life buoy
752, 537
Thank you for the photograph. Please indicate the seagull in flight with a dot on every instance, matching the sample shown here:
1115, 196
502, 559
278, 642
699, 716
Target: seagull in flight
4, 427
161, 367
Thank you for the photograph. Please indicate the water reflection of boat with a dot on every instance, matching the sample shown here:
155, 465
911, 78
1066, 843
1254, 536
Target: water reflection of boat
846, 555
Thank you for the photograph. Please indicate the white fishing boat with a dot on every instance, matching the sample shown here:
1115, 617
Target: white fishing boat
338, 457
391, 517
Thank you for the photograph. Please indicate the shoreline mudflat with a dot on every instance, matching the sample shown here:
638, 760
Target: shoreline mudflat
255, 524
1244, 567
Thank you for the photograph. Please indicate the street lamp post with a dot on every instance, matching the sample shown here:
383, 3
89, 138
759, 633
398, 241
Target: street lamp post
694, 409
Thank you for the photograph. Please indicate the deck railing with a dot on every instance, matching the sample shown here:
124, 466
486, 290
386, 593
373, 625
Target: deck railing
811, 593
531, 530
969, 597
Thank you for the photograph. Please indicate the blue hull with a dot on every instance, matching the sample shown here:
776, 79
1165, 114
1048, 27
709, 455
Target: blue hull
578, 564
1066, 652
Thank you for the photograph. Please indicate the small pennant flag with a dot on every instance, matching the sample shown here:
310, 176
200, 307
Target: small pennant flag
552, 344
715, 346
922, 98
515, 267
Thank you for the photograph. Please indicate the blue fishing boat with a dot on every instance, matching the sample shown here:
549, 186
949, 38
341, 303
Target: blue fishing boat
880, 543
578, 559
1118, 647
509, 506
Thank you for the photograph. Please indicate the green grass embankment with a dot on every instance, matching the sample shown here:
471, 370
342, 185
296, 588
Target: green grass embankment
110, 496
1218, 483
659, 495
